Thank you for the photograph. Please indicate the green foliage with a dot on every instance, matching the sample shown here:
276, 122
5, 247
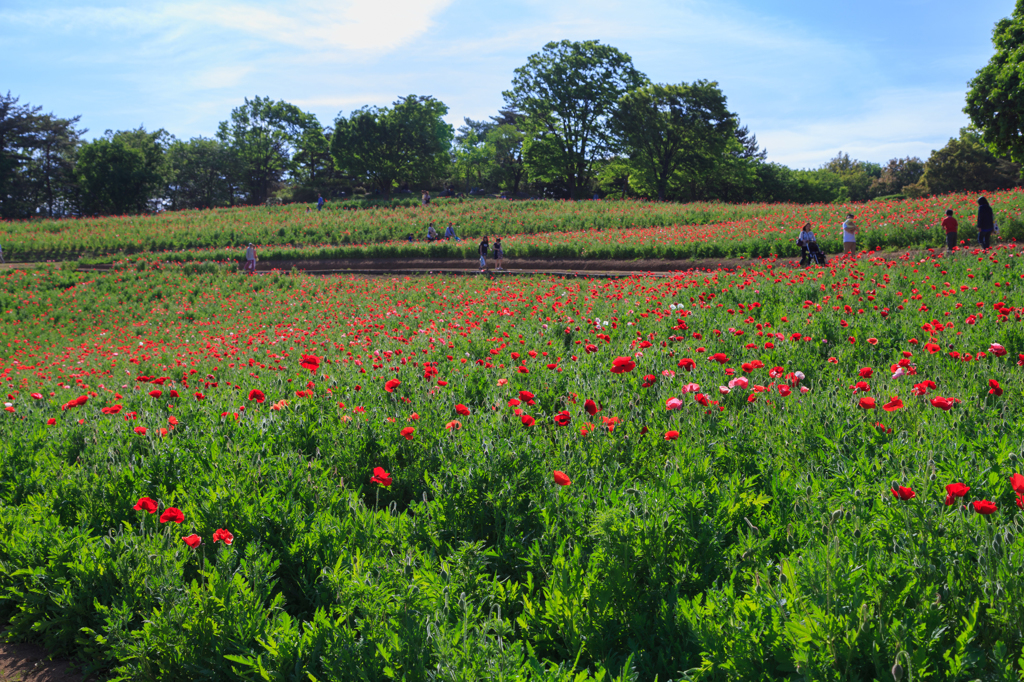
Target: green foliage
408, 141
673, 133
995, 99
203, 173
966, 165
567, 92
122, 172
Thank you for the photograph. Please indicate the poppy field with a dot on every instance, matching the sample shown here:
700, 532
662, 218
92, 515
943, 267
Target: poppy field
762, 474
530, 229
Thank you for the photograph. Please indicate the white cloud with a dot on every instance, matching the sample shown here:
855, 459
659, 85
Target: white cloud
891, 123
352, 26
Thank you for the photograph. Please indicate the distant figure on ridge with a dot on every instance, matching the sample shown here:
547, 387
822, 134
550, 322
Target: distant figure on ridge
499, 253
319, 202
250, 259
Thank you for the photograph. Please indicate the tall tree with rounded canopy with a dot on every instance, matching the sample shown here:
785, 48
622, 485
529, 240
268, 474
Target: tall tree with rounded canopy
409, 140
674, 130
995, 101
568, 91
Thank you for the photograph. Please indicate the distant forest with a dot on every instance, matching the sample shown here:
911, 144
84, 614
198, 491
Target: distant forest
578, 120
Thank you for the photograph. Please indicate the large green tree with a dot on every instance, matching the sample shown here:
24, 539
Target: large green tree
967, 164
264, 135
568, 91
202, 173
995, 101
674, 132
122, 172
408, 141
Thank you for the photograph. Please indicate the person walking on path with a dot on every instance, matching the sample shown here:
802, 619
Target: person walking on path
986, 222
250, 259
499, 253
850, 231
483, 254
950, 225
319, 202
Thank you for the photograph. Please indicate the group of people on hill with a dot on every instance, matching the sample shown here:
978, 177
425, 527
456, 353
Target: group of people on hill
808, 243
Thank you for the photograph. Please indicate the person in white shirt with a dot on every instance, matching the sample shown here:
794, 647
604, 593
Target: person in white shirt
250, 259
850, 231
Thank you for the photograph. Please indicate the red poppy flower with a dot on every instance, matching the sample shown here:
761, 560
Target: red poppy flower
462, 409
141, 430
591, 407
687, 364
944, 404
1017, 483
37, 396
220, 535
147, 504
784, 390
561, 479
997, 350
621, 365
610, 422
408, 432
954, 490
310, 362
872, 340
172, 514
391, 385
867, 403
380, 477
701, 398
984, 506
671, 435
901, 493
256, 395
193, 540
527, 420
590, 348
563, 418
453, 425
112, 409
526, 397
720, 358
172, 421
155, 393
866, 372
51, 421
994, 387
648, 381
894, 404
199, 396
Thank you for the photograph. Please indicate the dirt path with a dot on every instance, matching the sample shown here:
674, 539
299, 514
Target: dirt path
28, 663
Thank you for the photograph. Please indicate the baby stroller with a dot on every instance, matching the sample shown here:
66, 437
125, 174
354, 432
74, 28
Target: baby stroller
811, 252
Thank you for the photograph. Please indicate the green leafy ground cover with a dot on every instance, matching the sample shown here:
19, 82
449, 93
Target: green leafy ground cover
530, 229
735, 451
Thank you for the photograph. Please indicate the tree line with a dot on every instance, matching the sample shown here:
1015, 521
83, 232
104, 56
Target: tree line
578, 119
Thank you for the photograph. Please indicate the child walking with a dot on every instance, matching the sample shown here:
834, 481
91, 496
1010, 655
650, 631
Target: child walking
499, 253
950, 225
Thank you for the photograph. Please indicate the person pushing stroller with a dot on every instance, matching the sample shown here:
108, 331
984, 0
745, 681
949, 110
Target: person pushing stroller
808, 244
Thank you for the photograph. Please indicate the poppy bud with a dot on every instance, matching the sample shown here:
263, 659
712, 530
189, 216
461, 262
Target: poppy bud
836, 514
897, 671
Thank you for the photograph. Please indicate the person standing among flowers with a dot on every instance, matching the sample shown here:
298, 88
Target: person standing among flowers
986, 222
804, 240
319, 202
483, 254
499, 253
250, 258
950, 225
850, 231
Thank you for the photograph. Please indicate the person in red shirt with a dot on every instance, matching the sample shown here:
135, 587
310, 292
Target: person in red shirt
950, 225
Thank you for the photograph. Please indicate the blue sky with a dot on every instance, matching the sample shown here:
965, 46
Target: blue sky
874, 79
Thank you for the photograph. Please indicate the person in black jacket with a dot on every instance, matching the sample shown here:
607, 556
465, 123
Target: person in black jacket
986, 222
484, 246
